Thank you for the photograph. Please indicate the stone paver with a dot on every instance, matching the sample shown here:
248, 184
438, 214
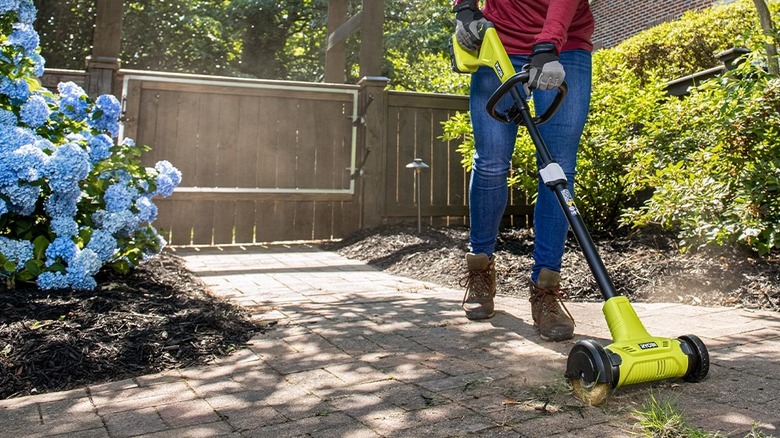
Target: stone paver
356, 352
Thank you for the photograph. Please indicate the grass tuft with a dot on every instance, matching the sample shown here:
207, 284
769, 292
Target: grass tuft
660, 419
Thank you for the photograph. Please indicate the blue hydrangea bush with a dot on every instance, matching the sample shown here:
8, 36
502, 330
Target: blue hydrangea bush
72, 198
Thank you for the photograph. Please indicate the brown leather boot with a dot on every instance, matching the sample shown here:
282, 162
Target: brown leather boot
480, 284
551, 317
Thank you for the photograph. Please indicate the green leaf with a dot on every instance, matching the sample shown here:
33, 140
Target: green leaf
39, 247
122, 266
33, 267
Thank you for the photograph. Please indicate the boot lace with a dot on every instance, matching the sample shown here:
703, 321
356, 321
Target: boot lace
549, 297
477, 284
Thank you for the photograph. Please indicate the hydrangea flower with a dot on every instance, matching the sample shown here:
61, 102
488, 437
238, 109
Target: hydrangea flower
63, 203
68, 165
17, 89
105, 115
35, 111
103, 244
28, 161
118, 198
8, 118
81, 268
19, 251
63, 248
147, 211
52, 280
73, 100
44, 144
7, 172
168, 178
39, 64
77, 280
25, 37
14, 137
64, 226
22, 197
99, 147
27, 11
8, 5
120, 223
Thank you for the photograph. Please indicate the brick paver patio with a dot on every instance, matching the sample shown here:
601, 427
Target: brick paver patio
356, 352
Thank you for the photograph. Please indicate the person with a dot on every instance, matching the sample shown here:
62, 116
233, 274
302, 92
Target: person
553, 38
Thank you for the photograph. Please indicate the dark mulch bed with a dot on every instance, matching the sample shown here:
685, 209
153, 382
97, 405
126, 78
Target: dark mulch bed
646, 267
160, 317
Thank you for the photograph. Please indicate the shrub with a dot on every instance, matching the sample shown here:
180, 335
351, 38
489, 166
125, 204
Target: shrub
71, 199
715, 172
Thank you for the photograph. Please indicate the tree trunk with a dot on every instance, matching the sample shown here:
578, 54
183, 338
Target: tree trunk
766, 24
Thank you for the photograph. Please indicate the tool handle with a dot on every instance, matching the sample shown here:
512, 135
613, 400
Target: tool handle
509, 87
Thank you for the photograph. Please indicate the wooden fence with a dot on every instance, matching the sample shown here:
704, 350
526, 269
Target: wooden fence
414, 130
277, 161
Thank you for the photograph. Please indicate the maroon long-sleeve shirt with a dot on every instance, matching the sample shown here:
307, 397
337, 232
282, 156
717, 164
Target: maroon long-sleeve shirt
522, 23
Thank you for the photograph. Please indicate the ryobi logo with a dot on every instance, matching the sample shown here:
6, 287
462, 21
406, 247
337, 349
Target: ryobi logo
498, 69
648, 345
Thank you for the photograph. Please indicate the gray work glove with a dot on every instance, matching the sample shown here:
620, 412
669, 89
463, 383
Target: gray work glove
470, 25
545, 72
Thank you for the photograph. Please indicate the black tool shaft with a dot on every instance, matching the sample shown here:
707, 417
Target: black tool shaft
567, 204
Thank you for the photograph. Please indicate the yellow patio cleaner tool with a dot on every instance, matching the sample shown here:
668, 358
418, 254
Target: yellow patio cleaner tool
634, 356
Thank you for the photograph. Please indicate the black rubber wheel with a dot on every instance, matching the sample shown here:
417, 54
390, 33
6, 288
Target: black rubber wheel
698, 358
590, 372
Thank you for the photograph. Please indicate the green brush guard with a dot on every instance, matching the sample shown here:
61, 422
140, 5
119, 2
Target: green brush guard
643, 358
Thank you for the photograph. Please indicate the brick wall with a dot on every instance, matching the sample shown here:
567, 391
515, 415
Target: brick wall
617, 20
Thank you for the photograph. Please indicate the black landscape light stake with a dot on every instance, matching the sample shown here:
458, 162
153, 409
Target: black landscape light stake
417, 165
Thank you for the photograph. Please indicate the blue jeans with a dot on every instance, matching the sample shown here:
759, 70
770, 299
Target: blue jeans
494, 143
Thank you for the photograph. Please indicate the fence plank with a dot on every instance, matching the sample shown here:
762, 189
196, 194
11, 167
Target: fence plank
284, 220
458, 177
132, 109
203, 223
224, 220
208, 141
181, 223
306, 139
423, 149
267, 144
288, 144
303, 228
266, 222
227, 139
248, 142
245, 221
323, 220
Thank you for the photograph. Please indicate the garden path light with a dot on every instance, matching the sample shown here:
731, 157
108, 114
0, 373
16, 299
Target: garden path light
417, 165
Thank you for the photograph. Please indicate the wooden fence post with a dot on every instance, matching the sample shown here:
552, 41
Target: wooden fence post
372, 38
103, 63
336, 53
373, 97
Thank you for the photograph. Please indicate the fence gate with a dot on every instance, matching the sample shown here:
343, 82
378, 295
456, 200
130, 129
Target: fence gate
261, 161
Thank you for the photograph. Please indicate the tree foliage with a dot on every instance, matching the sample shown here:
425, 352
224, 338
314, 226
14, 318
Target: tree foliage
254, 38
65, 28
